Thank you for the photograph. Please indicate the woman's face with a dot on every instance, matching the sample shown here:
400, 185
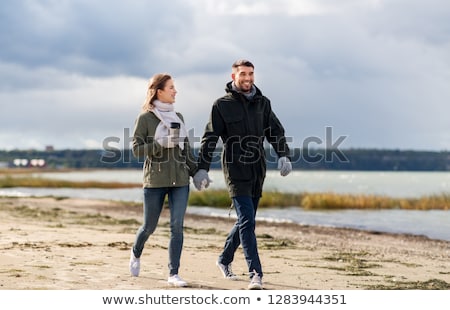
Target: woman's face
167, 94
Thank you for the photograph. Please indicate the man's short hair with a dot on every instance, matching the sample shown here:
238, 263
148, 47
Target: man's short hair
242, 62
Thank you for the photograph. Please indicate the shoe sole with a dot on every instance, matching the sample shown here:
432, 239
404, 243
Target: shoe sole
134, 275
176, 285
255, 287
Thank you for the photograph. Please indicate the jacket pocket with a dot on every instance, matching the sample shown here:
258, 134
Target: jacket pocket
235, 125
183, 173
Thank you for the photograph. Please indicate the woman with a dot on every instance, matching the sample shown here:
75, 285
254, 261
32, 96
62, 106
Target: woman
168, 164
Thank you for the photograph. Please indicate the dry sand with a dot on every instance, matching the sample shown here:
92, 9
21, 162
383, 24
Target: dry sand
49, 244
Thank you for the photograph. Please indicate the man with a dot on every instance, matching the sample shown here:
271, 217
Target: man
242, 118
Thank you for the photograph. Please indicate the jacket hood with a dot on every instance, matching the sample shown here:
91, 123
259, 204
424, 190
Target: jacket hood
229, 89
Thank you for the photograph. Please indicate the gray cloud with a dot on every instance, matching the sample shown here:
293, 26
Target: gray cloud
94, 38
75, 72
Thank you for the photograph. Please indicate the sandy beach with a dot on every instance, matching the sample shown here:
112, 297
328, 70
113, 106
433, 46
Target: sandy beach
49, 244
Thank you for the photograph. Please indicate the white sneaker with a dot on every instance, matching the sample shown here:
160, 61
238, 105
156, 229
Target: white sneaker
226, 271
135, 264
255, 282
175, 280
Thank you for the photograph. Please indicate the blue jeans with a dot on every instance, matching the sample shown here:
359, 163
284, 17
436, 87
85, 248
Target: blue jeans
243, 232
153, 204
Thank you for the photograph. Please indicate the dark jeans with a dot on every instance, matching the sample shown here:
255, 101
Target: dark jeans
243, 232
153, 204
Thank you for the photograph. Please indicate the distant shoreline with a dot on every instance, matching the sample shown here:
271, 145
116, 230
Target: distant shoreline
352, 159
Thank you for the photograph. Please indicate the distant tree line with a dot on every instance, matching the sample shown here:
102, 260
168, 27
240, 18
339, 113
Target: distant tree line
302, 159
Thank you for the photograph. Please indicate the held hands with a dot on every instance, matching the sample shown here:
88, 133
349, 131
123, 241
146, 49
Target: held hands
201, 179
284, 165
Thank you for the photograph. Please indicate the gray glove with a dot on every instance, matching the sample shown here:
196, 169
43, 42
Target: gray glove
201, 179
284, 165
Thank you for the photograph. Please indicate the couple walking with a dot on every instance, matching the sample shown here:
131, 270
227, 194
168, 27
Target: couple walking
242, 119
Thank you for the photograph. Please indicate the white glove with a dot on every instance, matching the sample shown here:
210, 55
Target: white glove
284, 165
168, 142
201, 179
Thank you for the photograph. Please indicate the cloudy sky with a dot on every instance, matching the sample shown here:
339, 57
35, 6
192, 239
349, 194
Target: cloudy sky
74, 73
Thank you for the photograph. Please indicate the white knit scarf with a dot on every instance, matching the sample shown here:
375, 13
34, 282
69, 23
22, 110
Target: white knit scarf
166, 114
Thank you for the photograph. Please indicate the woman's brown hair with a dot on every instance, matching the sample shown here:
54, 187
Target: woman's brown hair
158, 81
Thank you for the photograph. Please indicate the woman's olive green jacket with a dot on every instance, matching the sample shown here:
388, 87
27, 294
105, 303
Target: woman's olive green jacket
162, 167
